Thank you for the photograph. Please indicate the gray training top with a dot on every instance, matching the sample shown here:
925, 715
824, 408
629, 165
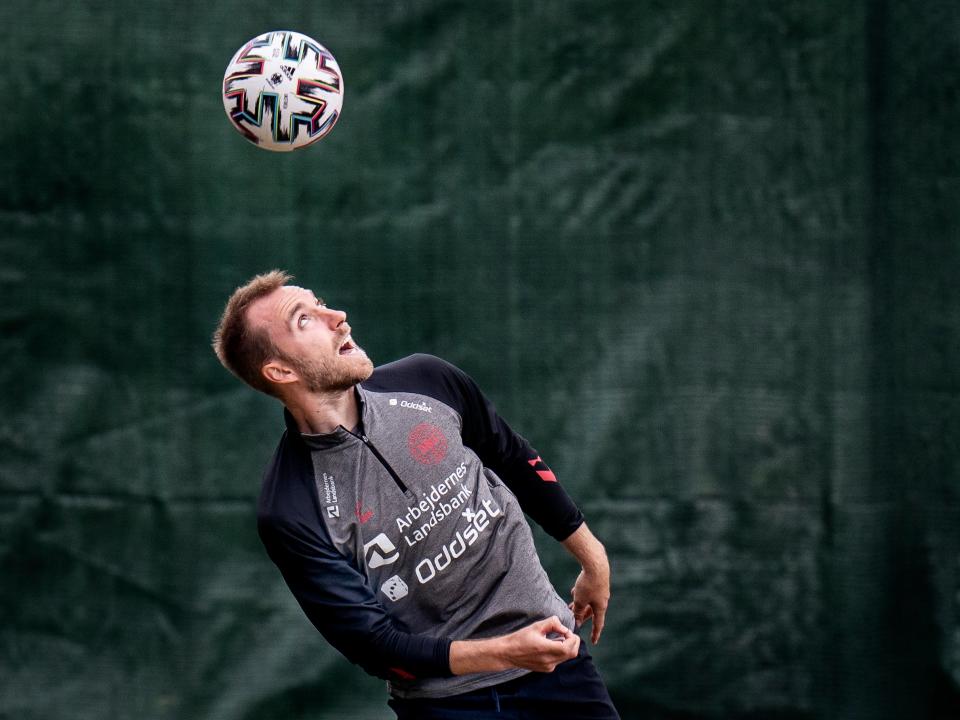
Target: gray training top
400, 537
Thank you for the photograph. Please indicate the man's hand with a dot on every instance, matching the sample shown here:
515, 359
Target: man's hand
591, 591
591, 594
533, 648
540, 646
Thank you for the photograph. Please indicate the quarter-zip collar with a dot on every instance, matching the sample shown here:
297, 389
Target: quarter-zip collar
326, 441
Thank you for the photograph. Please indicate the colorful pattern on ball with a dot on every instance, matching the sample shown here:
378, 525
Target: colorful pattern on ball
283, 90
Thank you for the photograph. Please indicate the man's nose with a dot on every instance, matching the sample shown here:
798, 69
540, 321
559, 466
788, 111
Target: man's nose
335, 318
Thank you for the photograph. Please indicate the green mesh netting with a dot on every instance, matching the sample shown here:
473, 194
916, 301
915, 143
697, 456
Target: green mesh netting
704, 255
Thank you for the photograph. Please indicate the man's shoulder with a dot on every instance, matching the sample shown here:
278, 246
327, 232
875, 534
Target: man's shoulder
415, 373
286, 477
432, 377
411, 365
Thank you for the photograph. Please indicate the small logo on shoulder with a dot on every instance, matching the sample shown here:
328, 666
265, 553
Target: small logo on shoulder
421, 406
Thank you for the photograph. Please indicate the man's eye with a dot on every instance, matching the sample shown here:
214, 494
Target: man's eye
302, 321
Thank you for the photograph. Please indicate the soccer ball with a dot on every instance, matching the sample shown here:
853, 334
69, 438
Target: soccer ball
283, 91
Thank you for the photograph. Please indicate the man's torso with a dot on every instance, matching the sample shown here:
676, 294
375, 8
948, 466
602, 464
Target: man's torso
439, 538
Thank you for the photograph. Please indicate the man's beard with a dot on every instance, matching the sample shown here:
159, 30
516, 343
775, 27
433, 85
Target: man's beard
332, 374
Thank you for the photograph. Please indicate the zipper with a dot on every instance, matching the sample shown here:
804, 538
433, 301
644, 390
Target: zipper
383, 461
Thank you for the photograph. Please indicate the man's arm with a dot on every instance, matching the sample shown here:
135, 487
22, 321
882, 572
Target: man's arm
591, 592
343, 609
340, 603
530, 648
504, 451
536, 488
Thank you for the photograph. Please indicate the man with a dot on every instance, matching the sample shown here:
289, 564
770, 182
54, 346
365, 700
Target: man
393, 508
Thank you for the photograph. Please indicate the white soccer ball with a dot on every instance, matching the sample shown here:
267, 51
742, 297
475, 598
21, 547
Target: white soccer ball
283, 90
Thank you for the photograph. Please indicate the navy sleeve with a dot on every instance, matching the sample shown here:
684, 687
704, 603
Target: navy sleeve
501, 449
332, 593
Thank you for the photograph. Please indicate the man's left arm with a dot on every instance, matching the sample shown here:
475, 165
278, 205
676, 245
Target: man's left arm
511, 457
540, 495
591, 591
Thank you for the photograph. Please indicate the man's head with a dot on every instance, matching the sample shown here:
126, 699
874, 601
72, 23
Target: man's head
280, 338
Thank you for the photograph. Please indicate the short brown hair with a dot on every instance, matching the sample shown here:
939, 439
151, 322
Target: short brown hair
243, 349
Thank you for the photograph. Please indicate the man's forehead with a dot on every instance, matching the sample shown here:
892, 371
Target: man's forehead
273, 305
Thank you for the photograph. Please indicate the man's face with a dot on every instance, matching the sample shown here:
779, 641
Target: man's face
313, 340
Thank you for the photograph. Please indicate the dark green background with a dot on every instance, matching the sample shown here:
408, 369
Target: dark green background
705, 255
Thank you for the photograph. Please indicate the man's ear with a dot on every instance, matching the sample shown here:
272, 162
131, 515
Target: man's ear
278, 372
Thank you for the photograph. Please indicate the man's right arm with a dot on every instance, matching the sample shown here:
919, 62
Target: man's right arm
530, 648
341, 606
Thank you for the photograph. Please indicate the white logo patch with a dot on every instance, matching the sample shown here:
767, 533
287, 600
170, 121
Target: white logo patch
394, 588
327, 488
373, 549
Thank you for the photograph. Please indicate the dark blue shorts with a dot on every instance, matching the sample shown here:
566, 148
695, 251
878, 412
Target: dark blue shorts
573, 690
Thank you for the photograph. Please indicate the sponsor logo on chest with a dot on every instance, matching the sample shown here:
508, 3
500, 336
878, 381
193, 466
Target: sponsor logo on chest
381, 551
477, 522
327, 489
419, 405
438, 503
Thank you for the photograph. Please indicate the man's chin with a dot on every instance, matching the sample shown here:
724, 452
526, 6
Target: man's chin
364, 367
349, 371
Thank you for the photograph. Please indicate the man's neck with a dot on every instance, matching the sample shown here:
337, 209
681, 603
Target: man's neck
322, 413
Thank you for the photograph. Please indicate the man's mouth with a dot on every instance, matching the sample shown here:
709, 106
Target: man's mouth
348, 347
